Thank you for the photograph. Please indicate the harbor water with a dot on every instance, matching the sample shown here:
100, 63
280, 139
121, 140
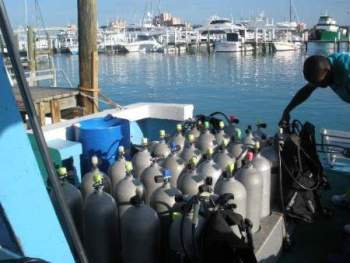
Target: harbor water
251, 87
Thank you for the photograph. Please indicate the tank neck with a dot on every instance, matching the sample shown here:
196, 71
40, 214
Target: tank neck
95, 169
222, 148
155, 162
235, 140
136, 201
179, 133
129, 175
190, 167
166, 184
144, 148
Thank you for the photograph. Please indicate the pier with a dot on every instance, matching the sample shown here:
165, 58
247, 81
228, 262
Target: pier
56, 102
52, 102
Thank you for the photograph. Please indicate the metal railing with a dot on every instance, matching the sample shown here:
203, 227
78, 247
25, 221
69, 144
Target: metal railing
334, 145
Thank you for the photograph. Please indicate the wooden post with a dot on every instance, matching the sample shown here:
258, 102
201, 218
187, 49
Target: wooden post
31, 48
208, 42
55, 111
338, 46
88, 69
306, 46
41, 113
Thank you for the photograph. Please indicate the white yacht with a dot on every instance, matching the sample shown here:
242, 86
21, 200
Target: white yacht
217, 28
143, 43
284, 45
68, 40
217, 25
233, 42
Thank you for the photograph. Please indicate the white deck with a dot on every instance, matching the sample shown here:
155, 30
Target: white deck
132, 112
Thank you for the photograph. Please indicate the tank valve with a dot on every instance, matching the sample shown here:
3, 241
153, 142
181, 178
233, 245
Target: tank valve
62, 172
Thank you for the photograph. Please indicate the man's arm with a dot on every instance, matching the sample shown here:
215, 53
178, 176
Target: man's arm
302, 95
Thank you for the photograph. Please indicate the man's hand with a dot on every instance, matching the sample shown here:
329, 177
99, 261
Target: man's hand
284, 120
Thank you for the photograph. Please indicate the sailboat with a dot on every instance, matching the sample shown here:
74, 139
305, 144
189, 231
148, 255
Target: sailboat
286, 34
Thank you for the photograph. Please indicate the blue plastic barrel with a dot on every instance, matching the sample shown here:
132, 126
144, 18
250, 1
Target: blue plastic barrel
102, 137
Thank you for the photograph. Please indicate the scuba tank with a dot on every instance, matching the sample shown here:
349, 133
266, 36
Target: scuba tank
222, 157
258, 134
73, 199
142, 159
263, 166
194, 130
189, 180
249, 140
229, 185
190, 150
126, 189
117, 171
101, 239
140, 233
221, 135
174, 163
147, 179
208, 168
163, 198
163, 201
269, 151
206, 139
88, 179
236, 149
230, 130
178, 138
161, 149
252, 181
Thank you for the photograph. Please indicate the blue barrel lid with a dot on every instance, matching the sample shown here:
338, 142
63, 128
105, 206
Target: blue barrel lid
102, 123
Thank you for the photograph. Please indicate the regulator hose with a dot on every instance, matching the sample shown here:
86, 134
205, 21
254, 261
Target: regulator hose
222, 114
280, 175
297, 126
286, 238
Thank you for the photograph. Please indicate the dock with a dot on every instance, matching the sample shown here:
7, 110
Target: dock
337, 45
50, 101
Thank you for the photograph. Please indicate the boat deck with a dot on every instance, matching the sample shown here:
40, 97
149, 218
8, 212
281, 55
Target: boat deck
49, 100
317, 242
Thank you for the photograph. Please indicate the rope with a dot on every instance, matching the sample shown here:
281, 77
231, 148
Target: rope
104, 100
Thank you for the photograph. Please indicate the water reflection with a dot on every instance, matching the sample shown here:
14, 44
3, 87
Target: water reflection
250, 86
326, 48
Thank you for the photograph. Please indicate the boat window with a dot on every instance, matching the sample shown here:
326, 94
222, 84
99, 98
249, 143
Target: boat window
143, 37
232, 37
216, 32
242, 33
219, 22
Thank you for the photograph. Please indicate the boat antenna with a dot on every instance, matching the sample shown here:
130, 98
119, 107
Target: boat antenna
61, 206
159, 10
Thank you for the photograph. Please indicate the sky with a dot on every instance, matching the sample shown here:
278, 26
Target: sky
63, 12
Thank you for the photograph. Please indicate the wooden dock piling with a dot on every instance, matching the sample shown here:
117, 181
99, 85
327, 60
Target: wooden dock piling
31, 48
88, 68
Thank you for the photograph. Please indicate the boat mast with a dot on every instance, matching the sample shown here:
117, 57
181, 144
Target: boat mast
290, 10
25, 12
